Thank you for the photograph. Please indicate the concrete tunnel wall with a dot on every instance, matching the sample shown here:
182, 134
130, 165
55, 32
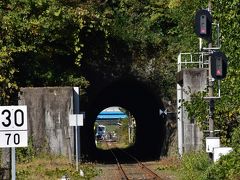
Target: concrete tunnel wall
141, 102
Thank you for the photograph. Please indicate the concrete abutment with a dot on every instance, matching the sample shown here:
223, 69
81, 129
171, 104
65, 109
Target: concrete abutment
190, 81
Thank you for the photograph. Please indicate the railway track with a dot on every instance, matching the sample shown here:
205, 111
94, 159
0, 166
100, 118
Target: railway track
130, 168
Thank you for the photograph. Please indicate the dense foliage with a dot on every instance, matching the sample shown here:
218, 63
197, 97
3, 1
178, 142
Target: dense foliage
40, 43
197, 165
44, 43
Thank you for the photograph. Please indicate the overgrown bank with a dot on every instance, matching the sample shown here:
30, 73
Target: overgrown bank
54, 167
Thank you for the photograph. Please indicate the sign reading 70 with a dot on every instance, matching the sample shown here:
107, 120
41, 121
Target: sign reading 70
13, 126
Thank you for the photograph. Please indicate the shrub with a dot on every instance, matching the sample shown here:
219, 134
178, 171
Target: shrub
26, 154
194, 165
228, 166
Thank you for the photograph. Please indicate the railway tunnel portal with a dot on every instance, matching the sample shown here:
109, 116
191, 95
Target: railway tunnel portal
142, 103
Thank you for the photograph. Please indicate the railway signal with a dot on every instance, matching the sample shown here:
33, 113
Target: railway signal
203, 24
218, 65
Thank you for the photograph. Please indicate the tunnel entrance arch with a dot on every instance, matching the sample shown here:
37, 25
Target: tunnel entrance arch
142, 103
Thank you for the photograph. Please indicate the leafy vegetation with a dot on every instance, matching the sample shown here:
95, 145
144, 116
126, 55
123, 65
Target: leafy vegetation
45, 43
123, 134
26, 154
198, 165
40, 43
194, 165
228, 167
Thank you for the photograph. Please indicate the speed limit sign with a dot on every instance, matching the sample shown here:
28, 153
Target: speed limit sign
13, 126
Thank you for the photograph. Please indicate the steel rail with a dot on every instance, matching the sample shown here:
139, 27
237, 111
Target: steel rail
120, 169
145, 168
142, 166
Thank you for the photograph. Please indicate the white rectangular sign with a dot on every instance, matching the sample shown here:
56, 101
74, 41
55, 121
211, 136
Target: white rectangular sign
13, 139
13, 118
13, 126
211, 143
76, 119
220, 151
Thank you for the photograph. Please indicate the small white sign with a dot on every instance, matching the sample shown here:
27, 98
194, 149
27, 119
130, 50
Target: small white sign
211, 143
13, 139
13, 126
220, 151
76, 119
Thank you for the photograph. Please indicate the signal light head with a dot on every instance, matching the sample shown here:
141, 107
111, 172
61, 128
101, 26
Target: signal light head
218, 65
203, 24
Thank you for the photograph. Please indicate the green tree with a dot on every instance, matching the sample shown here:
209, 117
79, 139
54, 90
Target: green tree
41, 43
146, 30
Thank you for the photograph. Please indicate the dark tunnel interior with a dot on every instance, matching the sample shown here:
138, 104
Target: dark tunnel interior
141, 102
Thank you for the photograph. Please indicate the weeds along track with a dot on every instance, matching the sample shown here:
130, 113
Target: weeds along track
129, 167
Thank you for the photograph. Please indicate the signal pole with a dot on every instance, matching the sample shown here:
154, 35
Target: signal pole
217, 66
210, 88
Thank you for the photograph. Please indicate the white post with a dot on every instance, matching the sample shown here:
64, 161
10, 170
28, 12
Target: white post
200, 44
180, 120
76, 144
13, 158
77, 111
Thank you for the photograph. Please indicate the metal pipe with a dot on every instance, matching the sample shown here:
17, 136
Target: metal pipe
210, 88
13, 157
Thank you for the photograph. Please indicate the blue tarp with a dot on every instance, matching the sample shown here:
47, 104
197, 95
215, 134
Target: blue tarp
111, 115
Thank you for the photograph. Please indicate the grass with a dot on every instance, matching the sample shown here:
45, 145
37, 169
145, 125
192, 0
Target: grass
169, 167
45, 167
52, 167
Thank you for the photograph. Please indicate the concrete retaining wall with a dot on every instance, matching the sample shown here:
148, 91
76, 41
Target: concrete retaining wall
48, 116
